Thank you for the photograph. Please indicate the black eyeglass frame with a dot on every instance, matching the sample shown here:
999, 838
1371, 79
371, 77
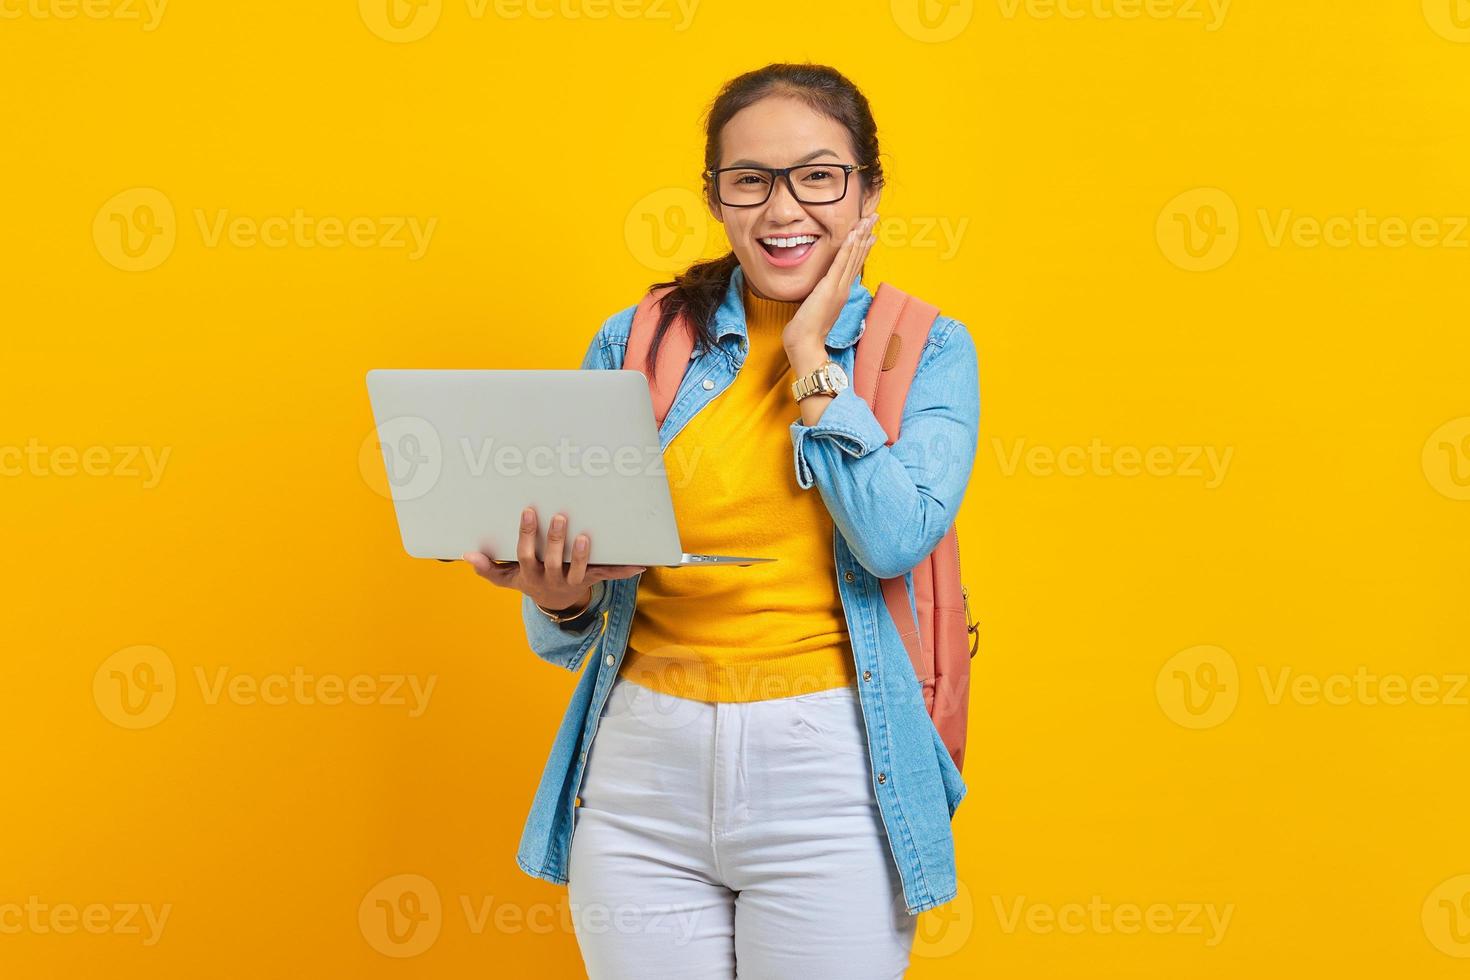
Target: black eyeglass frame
713, 174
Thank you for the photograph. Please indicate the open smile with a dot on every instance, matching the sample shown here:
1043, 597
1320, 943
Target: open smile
786, 251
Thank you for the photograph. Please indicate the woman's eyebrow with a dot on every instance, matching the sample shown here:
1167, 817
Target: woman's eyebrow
806, 159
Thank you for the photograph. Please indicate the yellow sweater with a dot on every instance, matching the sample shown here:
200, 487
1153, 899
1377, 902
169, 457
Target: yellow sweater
762, 631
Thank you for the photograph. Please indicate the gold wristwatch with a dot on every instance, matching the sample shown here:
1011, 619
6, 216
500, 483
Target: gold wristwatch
827, 379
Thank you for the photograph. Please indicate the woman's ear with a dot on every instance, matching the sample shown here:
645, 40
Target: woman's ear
714, 207
870, 201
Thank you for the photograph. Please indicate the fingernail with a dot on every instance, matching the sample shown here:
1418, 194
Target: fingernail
527, 517
581, 545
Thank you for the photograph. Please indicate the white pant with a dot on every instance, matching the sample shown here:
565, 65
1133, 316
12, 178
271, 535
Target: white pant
734, 839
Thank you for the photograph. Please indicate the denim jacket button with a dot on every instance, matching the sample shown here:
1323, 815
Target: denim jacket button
847, 576
882, 777
708, 383
867, 675
608, 660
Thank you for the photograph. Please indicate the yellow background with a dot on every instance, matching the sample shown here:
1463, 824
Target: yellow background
1065, 151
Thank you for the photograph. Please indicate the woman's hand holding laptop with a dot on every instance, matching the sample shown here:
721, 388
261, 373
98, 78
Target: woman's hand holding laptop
548, 583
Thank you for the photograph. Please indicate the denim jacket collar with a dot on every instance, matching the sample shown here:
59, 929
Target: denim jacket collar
729, 318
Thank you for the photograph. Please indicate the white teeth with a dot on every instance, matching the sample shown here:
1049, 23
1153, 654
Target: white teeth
790, 242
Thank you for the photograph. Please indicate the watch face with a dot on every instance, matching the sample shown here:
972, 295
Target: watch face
838, 376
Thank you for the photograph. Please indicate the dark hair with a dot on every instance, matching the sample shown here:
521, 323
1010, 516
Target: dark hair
700, 289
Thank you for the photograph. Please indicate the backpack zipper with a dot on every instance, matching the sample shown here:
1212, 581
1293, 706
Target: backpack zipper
970, 627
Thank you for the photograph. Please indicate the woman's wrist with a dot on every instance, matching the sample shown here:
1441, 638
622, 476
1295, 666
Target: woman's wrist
806, 357
570, 612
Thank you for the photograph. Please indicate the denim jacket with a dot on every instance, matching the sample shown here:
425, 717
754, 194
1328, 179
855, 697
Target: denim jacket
890, 505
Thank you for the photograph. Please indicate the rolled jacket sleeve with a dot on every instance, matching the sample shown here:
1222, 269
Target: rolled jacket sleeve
848, 423
554, 643
893, 504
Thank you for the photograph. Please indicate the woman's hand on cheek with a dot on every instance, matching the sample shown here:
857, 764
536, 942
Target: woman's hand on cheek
808, 330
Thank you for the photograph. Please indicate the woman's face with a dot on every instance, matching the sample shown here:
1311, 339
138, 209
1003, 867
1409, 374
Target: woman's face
783, 132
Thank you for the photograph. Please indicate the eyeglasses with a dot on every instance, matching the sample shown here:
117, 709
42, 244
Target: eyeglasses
810, 183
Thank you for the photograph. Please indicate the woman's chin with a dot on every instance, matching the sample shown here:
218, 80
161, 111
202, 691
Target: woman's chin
793, 288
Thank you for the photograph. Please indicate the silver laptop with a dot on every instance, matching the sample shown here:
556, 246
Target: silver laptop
464, 452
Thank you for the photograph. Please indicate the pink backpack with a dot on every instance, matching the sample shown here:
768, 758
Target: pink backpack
941, 644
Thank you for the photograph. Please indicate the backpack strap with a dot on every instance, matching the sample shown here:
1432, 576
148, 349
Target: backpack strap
673, 352
887, 357
888, 353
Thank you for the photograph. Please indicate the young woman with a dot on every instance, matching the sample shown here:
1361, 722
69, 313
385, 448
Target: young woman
746, 777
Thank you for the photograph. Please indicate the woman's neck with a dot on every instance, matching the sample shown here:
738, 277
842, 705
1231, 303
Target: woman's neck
763, 314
